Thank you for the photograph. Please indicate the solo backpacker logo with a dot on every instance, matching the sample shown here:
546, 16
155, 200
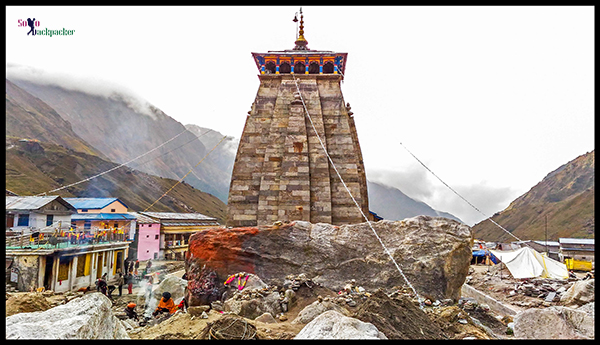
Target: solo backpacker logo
33, 24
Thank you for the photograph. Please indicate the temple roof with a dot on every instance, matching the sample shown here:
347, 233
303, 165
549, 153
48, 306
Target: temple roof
301, 53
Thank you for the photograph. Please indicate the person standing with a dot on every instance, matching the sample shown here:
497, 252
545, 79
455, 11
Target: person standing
120, 282
129, 282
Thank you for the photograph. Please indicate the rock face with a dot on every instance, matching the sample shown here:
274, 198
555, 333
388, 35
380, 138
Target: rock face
333, 325
433, 253
554, 323
88, 317
311, 311
174, 285
582, 292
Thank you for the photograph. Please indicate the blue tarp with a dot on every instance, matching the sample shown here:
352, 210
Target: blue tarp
483, 253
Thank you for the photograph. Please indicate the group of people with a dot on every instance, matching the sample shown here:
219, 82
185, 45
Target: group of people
165, 305
128, 278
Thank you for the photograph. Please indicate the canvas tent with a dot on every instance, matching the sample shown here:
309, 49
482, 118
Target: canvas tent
527, 263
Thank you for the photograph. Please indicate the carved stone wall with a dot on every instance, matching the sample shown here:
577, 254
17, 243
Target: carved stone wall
281, 172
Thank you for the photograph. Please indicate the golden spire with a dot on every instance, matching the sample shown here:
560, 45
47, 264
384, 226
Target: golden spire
301, 42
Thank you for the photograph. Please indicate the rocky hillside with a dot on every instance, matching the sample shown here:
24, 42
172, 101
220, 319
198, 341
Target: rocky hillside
390, 203
564, 200
29, 117
34, 167
123, 128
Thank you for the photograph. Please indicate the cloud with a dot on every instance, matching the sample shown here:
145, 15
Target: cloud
420, 185
91, 85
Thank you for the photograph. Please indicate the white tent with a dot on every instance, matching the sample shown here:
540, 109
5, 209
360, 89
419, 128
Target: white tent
527, 263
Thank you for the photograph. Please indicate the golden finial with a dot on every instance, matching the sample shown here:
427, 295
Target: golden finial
301, 42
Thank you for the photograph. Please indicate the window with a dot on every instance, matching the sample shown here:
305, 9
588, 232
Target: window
112, 210
328, 67
270, 67
156, 237
299, 68
313, 68
23, 220
49, 219
80, 266
63, 268
285, 68
147, 236
84, 210
87, 224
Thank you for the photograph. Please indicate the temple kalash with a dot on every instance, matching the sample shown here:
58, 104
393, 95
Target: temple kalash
299, 157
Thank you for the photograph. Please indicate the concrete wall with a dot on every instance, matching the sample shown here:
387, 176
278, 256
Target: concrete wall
148, 244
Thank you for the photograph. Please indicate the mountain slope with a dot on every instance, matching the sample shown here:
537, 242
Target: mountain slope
29, 117
390, 203
123, 129
37, 167
563, 202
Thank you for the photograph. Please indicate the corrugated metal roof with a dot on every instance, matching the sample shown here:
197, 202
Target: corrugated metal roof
141, 219
550, 243
102, 216
576, 240
92, 203
177, 216
33, 202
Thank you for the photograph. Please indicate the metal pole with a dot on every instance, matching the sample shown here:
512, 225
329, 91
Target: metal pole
546, 227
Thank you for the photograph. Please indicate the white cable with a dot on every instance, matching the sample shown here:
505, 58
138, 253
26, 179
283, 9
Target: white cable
352, 197
117, 167
460, 196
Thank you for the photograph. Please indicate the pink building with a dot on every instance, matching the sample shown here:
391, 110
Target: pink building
148, 237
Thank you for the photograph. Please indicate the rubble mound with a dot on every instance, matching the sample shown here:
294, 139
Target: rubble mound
229, 327
26, 302
397, 318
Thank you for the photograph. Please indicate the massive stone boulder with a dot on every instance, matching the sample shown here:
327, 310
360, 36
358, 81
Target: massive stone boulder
333, 325
580, 293
174, 285
554, 322
88, 317
433, 252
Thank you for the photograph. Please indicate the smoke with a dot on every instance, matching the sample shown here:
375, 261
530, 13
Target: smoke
91, 85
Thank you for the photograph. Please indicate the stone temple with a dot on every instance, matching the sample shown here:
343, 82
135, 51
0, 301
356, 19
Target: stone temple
281, 172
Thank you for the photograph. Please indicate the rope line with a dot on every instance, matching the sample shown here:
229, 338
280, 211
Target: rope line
184, 176
460, 196
353, 199
115, 168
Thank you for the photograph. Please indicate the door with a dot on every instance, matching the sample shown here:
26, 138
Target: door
99, 266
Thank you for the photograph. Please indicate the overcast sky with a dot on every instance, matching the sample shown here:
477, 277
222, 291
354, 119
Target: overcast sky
491, 99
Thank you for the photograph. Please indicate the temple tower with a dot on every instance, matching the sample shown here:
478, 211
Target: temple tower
281, 172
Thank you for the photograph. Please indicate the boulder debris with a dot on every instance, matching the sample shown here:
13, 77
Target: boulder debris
88, 317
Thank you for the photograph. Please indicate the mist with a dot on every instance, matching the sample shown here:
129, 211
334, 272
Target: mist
420, 185
90, 85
